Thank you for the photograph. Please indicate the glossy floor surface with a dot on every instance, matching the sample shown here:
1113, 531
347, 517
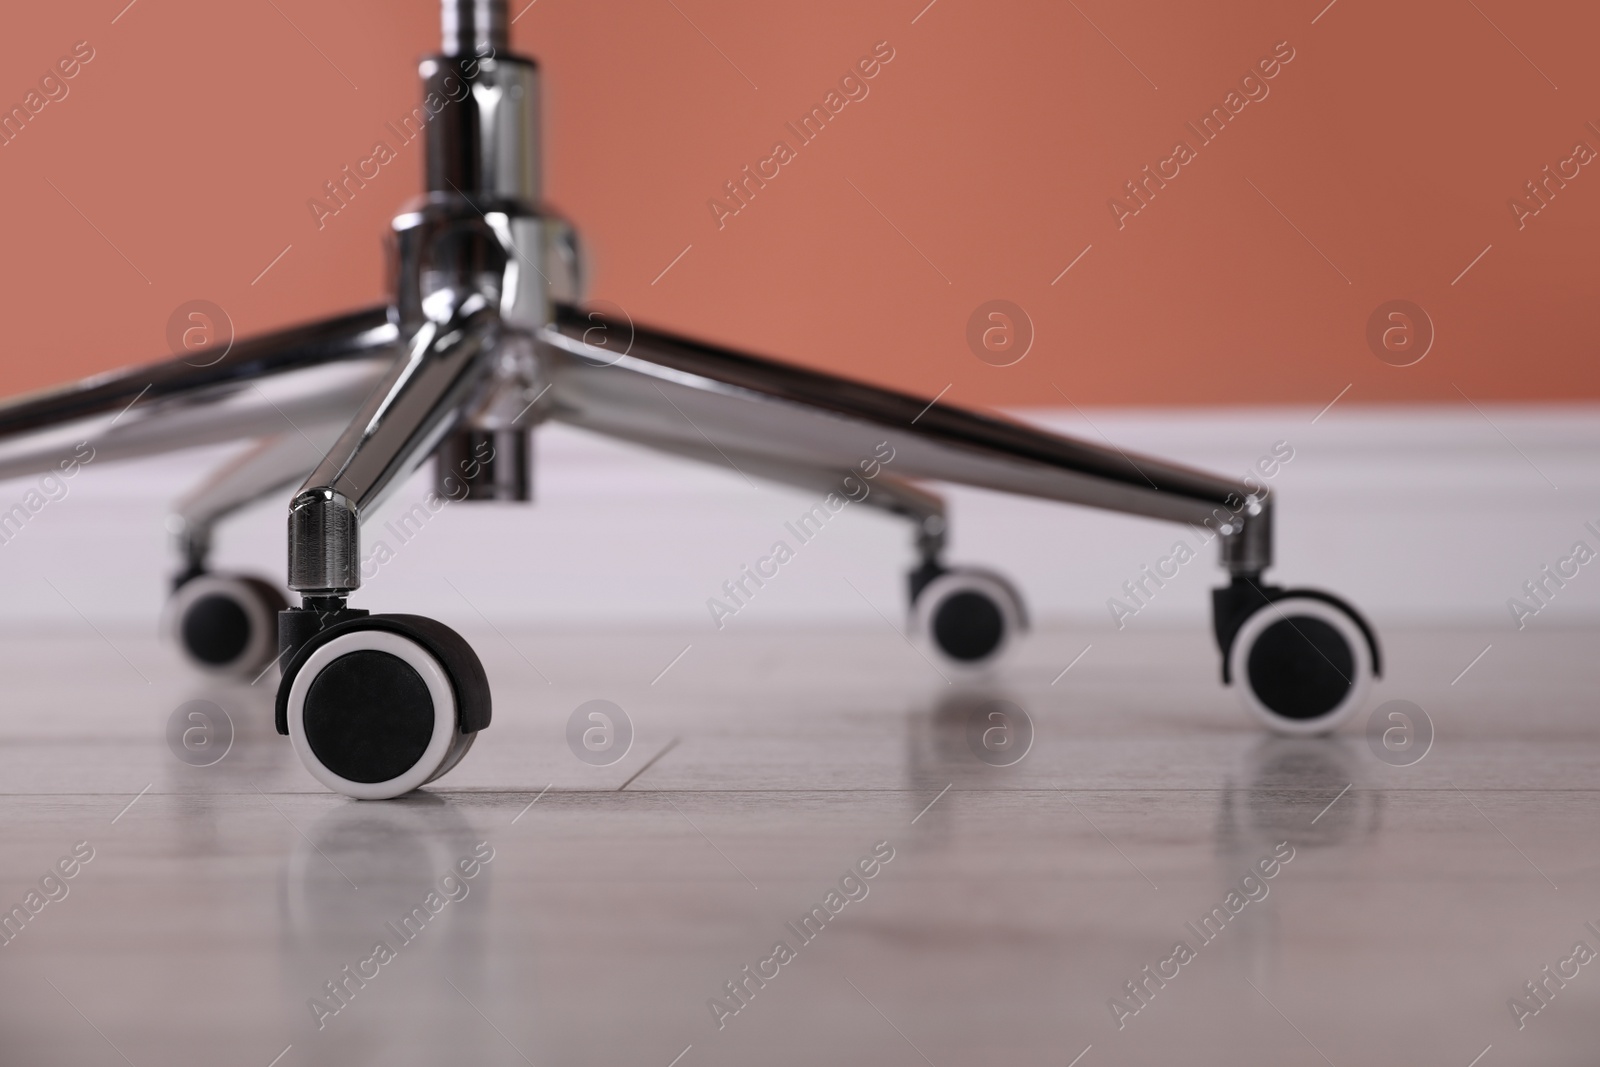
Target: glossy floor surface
535, 908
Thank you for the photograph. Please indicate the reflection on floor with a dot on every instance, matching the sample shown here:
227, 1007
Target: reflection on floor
802, 858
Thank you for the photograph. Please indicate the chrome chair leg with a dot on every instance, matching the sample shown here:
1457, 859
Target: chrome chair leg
397, 428
668, 391
306, 376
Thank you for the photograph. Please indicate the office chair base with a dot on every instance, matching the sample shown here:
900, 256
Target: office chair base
970, 617
483, 339
381, 704
226, 624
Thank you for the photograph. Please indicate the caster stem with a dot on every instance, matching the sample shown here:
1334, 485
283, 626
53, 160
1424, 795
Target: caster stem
296, 626
324, 604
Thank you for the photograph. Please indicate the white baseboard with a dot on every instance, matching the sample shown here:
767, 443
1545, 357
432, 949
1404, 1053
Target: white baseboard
1413, 513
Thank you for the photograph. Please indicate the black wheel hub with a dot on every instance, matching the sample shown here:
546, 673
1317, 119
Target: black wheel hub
1300, 667
368, 716
968, 626
216, 629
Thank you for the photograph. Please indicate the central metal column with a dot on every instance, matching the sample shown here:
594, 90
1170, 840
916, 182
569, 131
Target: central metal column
468, 294
474, 27
484, 141
487, 151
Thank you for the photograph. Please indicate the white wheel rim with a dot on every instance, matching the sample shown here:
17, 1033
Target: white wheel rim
439, 691
459, 748
1278, 611
995, 588
258, 650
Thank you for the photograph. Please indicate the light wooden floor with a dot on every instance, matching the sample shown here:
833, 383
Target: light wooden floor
1018, 902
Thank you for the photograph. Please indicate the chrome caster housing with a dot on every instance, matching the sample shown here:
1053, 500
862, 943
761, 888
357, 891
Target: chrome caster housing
380, 704
970, 616
226, 624
1303, 661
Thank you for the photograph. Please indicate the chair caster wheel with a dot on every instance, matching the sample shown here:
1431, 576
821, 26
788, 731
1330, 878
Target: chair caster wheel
379, 705
1303, 662
226, 623
971, 616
